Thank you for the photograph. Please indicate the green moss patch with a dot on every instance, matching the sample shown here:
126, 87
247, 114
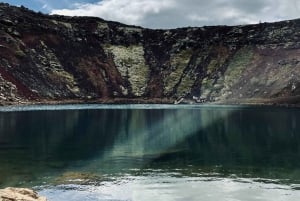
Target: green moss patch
178, 63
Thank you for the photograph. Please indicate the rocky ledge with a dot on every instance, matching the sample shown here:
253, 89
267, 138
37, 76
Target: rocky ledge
50, 58
19, 194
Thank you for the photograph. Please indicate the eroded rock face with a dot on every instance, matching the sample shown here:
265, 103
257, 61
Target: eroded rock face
17, 194
61, 58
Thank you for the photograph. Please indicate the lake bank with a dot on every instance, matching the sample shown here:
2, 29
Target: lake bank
278, 102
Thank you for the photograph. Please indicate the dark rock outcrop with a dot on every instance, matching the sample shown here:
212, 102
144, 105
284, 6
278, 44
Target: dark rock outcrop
57, 58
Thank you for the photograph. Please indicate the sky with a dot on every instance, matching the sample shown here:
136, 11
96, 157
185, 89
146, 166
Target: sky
172, 13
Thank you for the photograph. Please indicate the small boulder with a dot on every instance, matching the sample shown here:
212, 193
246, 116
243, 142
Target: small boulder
16, 194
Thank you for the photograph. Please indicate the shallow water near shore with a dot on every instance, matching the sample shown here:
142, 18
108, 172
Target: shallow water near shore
152, 152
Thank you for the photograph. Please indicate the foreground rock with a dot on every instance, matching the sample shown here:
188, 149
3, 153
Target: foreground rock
19, 194
46, 58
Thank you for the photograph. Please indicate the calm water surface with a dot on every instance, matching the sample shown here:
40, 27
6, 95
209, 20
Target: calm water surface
152, 152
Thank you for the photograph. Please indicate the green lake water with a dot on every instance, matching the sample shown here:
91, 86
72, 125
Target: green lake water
152, 152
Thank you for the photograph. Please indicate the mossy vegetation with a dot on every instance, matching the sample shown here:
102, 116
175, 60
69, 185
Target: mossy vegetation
216, 63
219, 86
55, 72
20, 53
212, 66
212, 83
186, 84
131, 64
206, 87
128, 30
279, 80
178, 62
102, 25
238, 64
65, 24
64, 78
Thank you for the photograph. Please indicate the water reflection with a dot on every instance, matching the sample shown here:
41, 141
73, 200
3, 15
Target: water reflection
38, 146
163, 187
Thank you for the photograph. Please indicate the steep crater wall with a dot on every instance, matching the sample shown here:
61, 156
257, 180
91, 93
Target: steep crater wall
57, 58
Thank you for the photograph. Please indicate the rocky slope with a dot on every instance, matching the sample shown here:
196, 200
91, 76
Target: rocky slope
55, 58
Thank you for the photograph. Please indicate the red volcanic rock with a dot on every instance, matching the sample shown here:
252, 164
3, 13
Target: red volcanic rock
46, 58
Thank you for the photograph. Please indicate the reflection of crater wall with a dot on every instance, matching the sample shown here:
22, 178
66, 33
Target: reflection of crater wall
245, 137
41, 141
61, 58
50, 132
